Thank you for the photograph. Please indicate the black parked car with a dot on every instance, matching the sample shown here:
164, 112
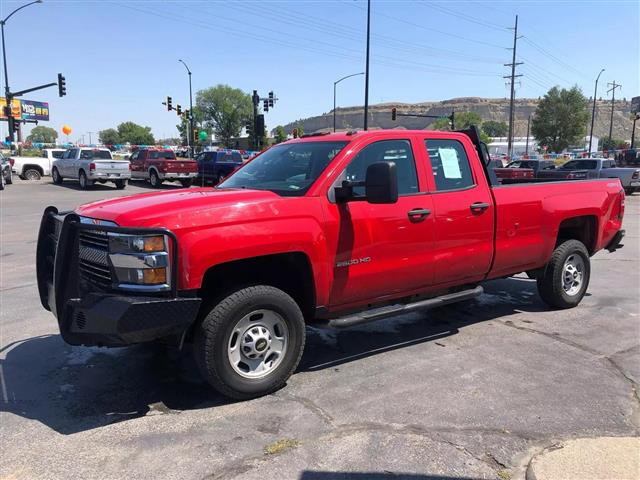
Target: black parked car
5, 172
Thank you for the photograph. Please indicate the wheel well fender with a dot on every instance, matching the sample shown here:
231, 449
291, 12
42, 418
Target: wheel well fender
30, 166
583, 228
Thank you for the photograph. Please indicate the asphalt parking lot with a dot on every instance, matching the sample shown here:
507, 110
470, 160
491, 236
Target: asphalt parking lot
463, 392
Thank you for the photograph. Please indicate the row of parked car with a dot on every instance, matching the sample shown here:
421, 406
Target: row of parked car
88, 166
585, 168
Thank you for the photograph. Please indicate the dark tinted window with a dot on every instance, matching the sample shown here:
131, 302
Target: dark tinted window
580, 165
398, 151
287, 169
229, 157
95, 155
168, 154
450, 165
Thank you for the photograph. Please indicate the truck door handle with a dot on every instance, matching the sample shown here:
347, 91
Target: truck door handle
418, 214
479, 207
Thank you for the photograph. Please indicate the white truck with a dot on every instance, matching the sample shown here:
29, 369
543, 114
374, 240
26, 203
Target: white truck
90, 165
34, 168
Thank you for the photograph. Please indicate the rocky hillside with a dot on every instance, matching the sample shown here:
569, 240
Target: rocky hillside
488, 108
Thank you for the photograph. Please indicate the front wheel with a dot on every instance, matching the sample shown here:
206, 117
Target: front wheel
564, 281
57, 178
186, 183
250, 343
120, 184
8, 178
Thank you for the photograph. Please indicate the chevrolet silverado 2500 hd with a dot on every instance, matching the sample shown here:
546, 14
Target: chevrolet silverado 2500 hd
343, 228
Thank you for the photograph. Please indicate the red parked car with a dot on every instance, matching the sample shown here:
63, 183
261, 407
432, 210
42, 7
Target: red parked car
343, 228
157, 165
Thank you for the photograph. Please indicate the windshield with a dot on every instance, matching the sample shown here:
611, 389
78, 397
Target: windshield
154, 154
287, 170
581, 165
95, 155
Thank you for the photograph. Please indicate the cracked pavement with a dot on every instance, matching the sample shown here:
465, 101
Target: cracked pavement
469, 391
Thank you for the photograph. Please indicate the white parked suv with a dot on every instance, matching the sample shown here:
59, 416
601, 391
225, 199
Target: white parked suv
90, 165
34, 168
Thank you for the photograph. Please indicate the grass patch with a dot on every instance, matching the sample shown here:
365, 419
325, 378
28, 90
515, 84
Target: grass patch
504, 475
280, 446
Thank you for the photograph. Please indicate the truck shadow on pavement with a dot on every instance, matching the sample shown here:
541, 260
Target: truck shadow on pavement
318, 475
74, 389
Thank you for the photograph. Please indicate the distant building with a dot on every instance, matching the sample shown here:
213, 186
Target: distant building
499, 145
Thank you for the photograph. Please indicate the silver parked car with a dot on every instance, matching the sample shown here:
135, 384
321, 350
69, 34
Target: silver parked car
606, 168
90, 165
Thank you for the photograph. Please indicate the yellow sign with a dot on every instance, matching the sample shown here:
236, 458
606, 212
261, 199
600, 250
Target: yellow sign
15, 108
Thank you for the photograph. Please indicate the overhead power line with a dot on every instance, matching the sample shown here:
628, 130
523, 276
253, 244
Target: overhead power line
468, 18
552, 56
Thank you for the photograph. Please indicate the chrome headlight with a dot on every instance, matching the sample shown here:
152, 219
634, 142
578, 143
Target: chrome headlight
140, 262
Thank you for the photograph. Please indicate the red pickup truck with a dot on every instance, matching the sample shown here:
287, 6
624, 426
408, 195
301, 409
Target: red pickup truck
157, 165
341, 228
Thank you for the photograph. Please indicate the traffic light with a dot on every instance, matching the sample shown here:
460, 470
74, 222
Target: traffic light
178, 110
185, 114
452, 120
195, 136
394, 113
260, 125
271, 99
16, 125
265, 105
249, 128
295, 133
168, 103
62, 85
255, 98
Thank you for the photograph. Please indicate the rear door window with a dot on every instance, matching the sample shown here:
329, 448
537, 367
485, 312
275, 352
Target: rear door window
450, 165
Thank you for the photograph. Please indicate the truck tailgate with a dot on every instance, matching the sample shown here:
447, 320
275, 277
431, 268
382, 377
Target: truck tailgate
112, 167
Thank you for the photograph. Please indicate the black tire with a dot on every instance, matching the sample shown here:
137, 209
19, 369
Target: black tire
186, 183
84, 182
8, 179
154, 179
629, 191
214, 334
120, 184
550, 281
55, 175
1, 182
31, 174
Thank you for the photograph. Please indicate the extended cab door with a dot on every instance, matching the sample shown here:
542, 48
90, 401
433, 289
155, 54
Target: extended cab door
463, 209
136, 170
380, 251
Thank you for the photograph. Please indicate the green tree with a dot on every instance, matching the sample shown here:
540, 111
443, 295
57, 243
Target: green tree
280, 135
462, 120
607, 143
225, 110
109, 136
42, 134
129, 132
300, 128
560, 119
495, 129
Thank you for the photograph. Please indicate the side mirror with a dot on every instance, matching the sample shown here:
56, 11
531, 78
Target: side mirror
381, 183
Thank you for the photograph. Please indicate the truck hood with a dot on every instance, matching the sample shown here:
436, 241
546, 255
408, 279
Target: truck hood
184, 208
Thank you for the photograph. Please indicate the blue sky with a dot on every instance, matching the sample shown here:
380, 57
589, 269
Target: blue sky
120, 58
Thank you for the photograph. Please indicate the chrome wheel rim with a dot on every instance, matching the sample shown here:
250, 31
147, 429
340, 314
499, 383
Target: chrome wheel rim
573, 274
32, 175
258, 344
83, 181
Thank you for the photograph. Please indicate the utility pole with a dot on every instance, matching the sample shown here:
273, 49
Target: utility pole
526, 148
593, 112
366, 77
513, 76
613, 86
90, 143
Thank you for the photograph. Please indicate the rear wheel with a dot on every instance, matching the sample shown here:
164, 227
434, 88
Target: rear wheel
186, 183
565, 279
57, 178
31, 174
250, 343
84, 181
154, 179
8, 177
120, 184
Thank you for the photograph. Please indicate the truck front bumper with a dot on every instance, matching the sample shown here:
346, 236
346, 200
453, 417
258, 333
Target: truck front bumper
96, 313
615, 244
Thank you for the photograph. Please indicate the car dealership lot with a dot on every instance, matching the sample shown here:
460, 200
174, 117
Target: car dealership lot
466, 391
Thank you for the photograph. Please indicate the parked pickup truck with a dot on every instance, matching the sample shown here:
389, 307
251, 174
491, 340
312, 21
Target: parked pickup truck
214, 166
341, 228
605, 168
90, 165
157, 165
34, 168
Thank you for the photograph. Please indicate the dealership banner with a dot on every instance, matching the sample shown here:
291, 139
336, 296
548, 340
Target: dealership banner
35, 110
25, 109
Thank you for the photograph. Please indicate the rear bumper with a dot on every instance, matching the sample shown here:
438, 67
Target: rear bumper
89, 314
615, 244
177, 176
108, 176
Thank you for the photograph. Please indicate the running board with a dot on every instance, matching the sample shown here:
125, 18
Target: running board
383, 312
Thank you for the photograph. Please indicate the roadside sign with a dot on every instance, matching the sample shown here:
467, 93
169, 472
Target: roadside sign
25, 109
15, 108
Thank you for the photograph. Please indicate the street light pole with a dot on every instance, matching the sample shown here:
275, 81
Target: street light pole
7, 91
593, 111
334, 95
366, 77
190, 110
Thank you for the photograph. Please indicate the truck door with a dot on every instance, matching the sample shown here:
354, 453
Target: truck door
380, 251
135, 162
463, 210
